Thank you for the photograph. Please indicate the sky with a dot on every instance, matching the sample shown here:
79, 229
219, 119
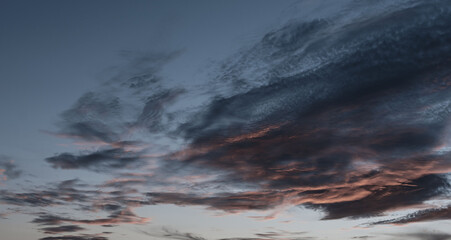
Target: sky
225, 120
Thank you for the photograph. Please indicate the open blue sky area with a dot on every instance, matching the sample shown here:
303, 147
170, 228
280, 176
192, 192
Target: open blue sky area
225, 120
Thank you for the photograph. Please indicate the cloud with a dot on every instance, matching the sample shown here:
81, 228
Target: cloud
89, 118
170, 233
47, 219
76, 195
348, 114
117, 205
98, 160
386, 198
280, 235
259, 238
133, 96
63, 193
8, 169
71, 237
424, 236
26, 199
108, 225
151, 116
347, 117
61, 229
226, 201
432, 214
336, 203
117, 217
173, 234
142, 69
367, 122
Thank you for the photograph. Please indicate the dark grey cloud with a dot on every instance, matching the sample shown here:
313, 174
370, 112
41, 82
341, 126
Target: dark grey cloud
108, 225
263, 236
389, 197
111, 207
141, 73
51, 198
61, 229
26, 199
9, 168
224, 201
98, 161
279, 234
426, 235
378, 200
71, 237
132, 100
117, 217
47, 219
117, 206
433, 214
61, 193
259, 238
131, 96
168, 233
90, 118
151, 116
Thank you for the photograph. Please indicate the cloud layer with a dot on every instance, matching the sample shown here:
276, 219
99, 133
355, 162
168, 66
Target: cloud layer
347, 114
